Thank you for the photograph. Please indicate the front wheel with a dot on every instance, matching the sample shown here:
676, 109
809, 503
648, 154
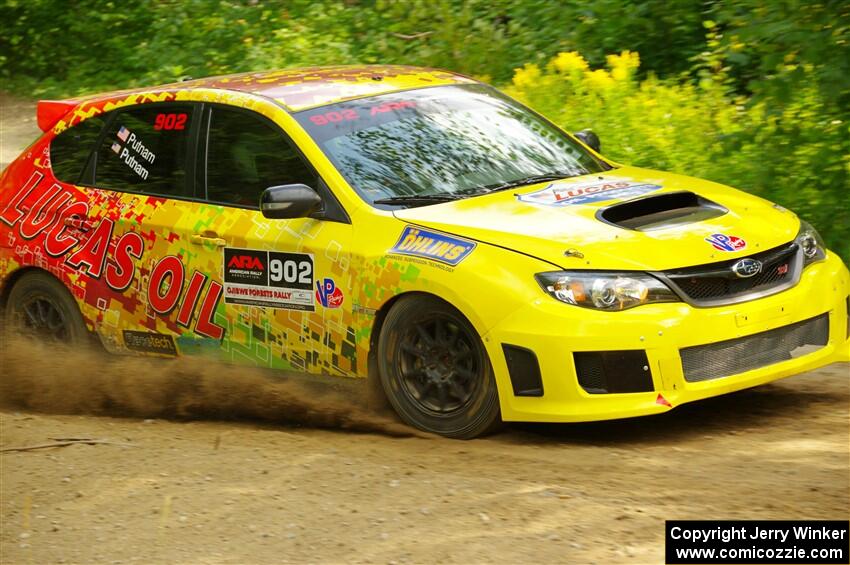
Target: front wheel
435, 371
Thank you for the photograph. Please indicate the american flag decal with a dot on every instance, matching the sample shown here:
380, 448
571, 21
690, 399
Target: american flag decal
116, 147
123, 133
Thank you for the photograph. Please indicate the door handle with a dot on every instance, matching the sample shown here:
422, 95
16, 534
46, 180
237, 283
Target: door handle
79, 223
207, 238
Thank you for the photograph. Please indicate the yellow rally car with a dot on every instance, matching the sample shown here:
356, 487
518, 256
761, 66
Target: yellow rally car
413, 226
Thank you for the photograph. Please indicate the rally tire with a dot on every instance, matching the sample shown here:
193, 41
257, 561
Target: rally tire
435, 371
40, 306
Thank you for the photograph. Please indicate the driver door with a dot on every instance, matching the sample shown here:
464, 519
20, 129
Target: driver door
286, 283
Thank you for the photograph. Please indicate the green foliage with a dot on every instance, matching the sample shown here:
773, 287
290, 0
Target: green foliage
751, 93
797, 155
67, 46
774, 46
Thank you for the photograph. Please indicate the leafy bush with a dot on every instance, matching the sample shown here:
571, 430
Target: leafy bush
752, 93
798, 156
68, 46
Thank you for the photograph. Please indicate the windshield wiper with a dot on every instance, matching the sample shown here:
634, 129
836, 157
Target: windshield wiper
425, 199
418, 199
533, 179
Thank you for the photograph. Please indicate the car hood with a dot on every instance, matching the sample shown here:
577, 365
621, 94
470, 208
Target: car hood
549, 219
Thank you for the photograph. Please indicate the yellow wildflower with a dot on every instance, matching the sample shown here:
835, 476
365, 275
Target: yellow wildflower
624, 64
526, 76
569, 61
599, 79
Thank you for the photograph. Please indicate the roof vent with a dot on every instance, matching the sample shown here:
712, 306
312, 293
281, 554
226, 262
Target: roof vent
661, 211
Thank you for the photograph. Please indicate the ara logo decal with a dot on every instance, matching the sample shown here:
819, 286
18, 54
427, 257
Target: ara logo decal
440, 247
723, 242
564, 194
328, 294
245, 262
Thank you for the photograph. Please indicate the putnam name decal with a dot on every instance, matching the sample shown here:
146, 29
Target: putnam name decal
419, 242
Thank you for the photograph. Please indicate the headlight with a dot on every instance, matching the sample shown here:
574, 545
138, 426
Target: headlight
811, 243
605, 291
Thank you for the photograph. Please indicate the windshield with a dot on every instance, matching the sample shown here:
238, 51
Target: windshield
445, 141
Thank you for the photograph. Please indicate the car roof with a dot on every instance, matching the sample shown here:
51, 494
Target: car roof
294, 89
307, 87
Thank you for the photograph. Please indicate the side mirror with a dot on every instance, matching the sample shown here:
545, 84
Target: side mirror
589, 138
289, 201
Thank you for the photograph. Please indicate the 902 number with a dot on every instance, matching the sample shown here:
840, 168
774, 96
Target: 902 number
170, 122
291, 271
333, 117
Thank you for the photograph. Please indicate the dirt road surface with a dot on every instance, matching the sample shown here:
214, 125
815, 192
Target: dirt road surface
18, 127
202, 489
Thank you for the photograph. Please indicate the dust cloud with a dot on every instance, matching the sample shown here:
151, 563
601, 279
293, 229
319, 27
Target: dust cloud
53, 379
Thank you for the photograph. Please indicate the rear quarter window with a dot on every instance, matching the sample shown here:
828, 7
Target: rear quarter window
146, 150
70, 150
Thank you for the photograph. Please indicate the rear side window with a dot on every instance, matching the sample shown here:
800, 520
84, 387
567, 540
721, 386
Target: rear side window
70, 150
246, 155
146, 150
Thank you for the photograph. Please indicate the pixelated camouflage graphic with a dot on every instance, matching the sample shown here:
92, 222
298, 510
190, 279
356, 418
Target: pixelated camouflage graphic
332, 341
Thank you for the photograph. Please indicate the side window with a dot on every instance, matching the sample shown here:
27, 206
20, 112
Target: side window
145, 150
246, 155
70, 150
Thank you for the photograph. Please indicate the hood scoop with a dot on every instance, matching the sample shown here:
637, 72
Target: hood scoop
661, 211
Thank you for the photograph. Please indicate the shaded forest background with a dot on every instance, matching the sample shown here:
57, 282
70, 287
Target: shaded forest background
751, 93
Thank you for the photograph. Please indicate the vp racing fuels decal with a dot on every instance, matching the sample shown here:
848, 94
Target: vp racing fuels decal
564, 194
420, 242
723, 242
269, 279
328, 294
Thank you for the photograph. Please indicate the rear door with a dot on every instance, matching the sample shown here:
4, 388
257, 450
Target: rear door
136, 255
147, 160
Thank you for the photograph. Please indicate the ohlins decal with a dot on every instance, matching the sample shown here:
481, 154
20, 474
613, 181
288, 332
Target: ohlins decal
62, 222
436, 246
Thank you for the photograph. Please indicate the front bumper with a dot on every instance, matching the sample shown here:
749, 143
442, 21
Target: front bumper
554, 331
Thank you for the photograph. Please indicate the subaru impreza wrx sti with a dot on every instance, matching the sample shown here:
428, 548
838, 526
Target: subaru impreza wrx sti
412, 226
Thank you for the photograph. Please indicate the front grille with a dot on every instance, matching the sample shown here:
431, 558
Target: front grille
591, 373
607, 372
734, 356
717, 283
